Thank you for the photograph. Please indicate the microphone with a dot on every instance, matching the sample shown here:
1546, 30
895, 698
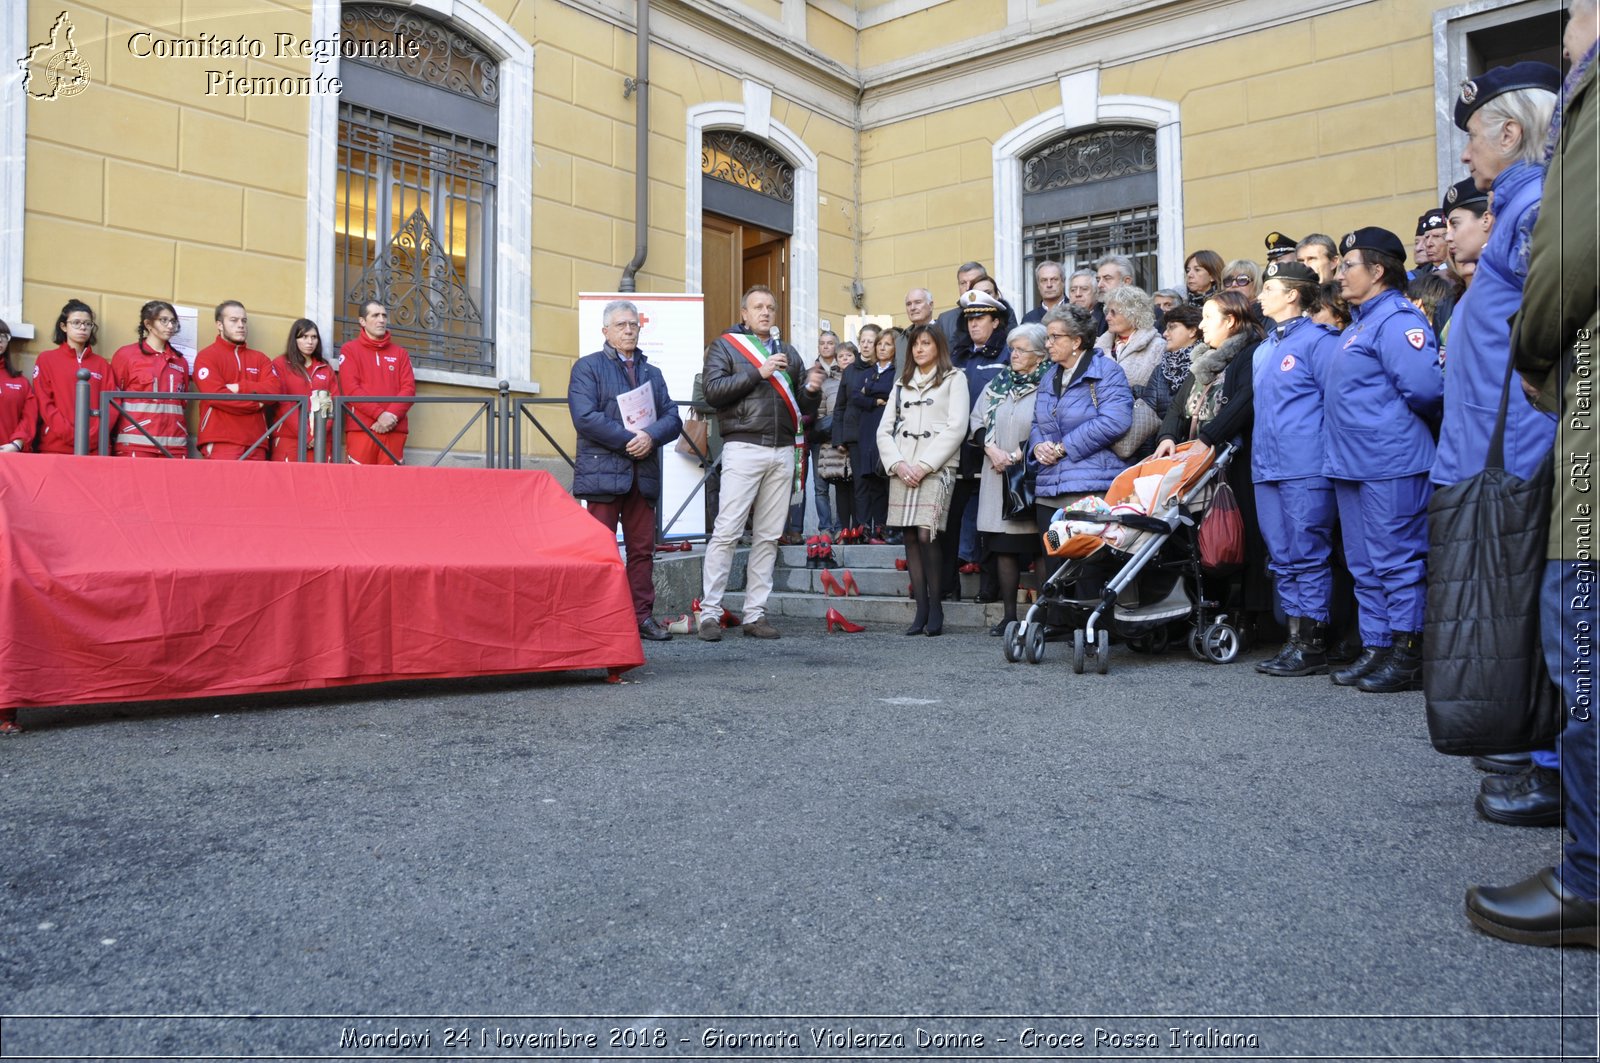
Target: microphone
773, 339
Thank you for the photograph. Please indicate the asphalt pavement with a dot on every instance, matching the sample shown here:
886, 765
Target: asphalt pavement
846, 846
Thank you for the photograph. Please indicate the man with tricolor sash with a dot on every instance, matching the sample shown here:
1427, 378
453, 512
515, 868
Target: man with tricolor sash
760, 401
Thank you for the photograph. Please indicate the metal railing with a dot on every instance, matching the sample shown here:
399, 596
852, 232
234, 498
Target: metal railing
502, 416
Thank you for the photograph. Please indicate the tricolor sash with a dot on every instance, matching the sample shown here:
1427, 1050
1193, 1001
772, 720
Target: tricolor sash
755, 352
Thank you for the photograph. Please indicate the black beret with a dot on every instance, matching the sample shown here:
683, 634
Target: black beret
1373, 238
1465, 193
1430, 220
1475, 92
1279, 244
1292, 271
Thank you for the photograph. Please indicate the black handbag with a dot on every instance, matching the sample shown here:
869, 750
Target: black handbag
1018, 501
1483, 672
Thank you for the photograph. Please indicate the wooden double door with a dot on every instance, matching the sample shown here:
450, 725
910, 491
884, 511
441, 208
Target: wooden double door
735, 256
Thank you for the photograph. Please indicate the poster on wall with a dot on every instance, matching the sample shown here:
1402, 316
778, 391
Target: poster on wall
671, 336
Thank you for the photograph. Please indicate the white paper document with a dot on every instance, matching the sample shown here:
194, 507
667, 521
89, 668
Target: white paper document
638, 408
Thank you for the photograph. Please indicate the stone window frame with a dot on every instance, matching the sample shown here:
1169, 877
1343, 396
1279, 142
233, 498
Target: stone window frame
754, 117
514, 193
1450, 28
1082, 107
13, 176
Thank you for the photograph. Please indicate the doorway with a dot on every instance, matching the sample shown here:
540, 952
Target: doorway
735, 256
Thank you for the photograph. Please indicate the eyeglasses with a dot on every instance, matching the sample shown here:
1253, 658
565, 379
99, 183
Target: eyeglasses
1048, 336
1241, 281
1345, 265
79, 323
5, 337
166, 321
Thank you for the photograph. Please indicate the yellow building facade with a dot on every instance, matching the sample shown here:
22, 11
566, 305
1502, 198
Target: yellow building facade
197, 152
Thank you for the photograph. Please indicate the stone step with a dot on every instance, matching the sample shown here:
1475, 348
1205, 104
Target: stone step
873, 582
851, 557
888, 614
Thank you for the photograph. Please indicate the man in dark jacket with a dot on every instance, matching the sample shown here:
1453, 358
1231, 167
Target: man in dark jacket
760, 401
623, 417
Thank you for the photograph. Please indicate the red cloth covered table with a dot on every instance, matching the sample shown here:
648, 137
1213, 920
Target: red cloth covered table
134, 580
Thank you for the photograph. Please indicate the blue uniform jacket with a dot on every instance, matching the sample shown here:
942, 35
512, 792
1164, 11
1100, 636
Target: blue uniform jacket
1480, 344
875, 385
1091, 413
602, 469
980, 367
1383, 392
1290, 367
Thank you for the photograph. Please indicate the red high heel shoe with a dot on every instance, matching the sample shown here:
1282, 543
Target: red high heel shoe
9, 725
831, 585
849, 582
971, 568
900, 564
813, 555
836, 619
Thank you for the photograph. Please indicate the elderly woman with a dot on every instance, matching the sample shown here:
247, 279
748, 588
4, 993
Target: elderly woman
1083, 405
1133, 343
1001, 420
1202, 276
1242, 276
919, 443
1214, 406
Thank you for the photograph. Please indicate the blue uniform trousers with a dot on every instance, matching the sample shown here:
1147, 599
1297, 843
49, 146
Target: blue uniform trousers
1567, 644
1385, 532
1296, 518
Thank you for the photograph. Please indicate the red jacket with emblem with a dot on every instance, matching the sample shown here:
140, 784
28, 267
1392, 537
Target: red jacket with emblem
372, 368
19, 412
239, 423
138, 368
55, 385
318, 377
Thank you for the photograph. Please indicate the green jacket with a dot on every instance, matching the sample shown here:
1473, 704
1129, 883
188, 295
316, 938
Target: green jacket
1552, 336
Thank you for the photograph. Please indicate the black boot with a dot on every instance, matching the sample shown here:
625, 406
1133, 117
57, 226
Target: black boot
1369, 661
1401, 671
1267, 666
1347, 648
1308, 650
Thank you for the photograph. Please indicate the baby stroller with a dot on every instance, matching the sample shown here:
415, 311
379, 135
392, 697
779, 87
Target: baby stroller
1159, 581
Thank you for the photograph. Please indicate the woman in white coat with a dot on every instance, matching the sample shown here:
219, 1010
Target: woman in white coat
919, 441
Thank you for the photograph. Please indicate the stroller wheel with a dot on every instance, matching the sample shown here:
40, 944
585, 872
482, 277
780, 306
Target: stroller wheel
1158, 641
1222, 643
1011, 642
1197, 648
1034, 643
1139, 644
1102, 651
1078, 649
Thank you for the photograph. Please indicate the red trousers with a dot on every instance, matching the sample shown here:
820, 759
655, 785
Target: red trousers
359, 448
232, 452
638, 517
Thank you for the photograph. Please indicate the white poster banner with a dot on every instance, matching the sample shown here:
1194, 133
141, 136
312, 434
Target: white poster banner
671, 336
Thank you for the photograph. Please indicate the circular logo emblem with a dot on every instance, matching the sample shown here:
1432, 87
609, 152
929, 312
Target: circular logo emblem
1452, 195
202, 374
1349, 241
1287, 363
1272, 270
1469, 91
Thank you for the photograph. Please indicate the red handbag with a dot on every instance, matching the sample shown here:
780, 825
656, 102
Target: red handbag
1220, 539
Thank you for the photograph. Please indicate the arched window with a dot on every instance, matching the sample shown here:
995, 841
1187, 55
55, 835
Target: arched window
1090, 194
415, 197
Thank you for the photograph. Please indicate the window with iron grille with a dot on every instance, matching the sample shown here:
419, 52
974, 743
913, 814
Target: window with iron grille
415, 200
1088, 195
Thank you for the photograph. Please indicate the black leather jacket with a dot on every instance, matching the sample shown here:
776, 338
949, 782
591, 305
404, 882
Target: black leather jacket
749, 409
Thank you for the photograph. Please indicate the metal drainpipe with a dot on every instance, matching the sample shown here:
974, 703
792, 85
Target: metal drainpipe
640, 83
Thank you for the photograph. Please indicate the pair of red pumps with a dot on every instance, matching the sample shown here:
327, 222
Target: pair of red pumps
843, 584
819, 552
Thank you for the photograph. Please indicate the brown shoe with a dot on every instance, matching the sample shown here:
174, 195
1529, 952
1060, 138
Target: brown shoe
760, 630
710, 629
